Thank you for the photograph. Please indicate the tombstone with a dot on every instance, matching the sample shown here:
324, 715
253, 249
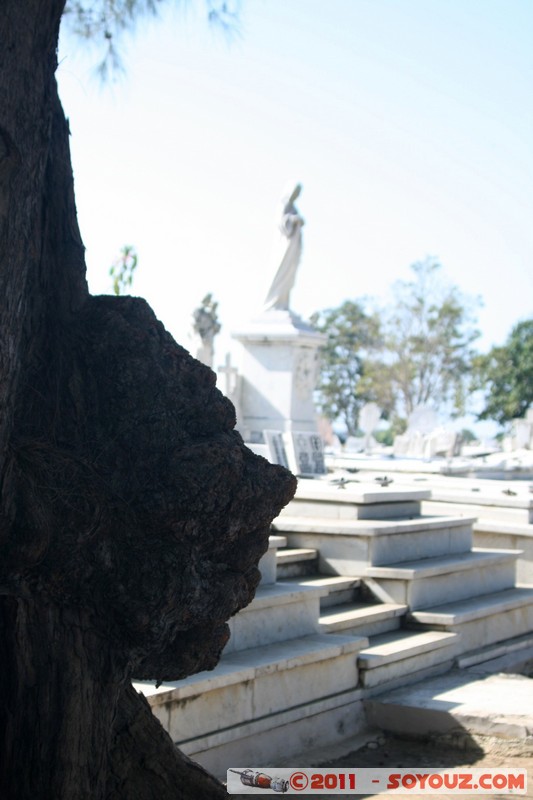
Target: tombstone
354, 444
411, 444
416, 447
369, 416
521, 434
277, 452
441, 442
305, 453
414, 442
423, 419
400, 445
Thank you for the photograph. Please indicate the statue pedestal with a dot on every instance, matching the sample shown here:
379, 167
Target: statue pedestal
278, 368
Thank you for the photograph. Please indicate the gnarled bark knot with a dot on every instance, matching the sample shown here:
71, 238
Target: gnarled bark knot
132, 494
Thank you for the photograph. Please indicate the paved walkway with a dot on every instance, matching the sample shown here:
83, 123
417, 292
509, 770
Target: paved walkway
479, 703
478, 720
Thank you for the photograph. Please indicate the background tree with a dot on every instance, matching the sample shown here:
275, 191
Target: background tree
132, 517
353, 336
505, 375
417, 351
429, 331
104, 23
122, 270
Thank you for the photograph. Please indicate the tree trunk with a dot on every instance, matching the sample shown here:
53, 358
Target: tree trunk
132, 517
41, 254
56, 712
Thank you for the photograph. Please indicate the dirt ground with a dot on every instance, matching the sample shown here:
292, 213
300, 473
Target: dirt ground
388, 751
393, 752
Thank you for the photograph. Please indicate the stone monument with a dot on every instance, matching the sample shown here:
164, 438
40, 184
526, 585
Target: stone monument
290, 247
521, 435
369, 417
279, 351
425, 438
205, 327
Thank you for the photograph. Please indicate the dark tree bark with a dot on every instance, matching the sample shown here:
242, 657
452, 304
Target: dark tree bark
132, 516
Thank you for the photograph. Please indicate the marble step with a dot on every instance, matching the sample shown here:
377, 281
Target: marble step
464, 703
498, 505
433, 581
340, 589
398, 657
278, 611
356, 500
510, 536
365, 619
268, 562
346, 547
293, 562
511, 655
269, 697
482, 620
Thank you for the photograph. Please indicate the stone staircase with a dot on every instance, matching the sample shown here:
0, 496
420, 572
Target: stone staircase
360, 594
424, 596
503, 511
395, 655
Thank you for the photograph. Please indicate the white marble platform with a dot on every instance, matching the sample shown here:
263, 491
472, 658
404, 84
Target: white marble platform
403, 654
339, 589
296, 562
347, 547
496, 507
362, 618
212, 715
431, 581
483, 620
277, 612
493, 533
268, 564
496, 706
367, 500
284, 737
307, 651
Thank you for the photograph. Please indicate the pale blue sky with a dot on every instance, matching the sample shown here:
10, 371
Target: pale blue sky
408, 122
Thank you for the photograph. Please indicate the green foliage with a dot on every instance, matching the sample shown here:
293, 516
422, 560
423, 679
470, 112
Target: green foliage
505, 374
415, 352
468, 436
104, 23
385, 437
352, 337
122, 269
428, 336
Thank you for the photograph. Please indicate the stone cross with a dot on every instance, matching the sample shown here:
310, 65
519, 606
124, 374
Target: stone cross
230, 374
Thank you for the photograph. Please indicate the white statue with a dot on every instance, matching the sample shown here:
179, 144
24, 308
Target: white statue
206, 326
291, 235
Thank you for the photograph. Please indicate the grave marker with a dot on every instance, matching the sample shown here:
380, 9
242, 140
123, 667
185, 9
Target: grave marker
305, 453
276, 448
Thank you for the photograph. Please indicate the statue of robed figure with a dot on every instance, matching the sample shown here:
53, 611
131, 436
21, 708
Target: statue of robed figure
291, 238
